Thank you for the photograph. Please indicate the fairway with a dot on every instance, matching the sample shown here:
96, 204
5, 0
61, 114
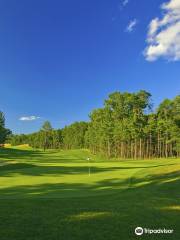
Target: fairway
60, 195
54, 174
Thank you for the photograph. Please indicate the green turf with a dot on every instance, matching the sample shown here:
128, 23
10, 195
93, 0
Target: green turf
60, 195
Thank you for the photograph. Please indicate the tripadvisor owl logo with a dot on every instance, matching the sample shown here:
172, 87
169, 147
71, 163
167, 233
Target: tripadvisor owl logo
139, 231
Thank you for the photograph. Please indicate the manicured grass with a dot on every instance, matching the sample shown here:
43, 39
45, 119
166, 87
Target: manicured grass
60, 195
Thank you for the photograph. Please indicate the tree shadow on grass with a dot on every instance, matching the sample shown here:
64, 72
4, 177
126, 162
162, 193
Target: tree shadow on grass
13, 168
82, 216
170, 181
39, 156
10, 153
25, 169
107, 210
30, 169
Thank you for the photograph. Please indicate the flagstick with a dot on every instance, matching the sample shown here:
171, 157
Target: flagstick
89, 167
89, 170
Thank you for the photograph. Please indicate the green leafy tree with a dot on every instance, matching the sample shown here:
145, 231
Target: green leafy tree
4, 132
46, 133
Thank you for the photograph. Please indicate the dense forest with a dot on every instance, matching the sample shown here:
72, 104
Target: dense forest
125, 127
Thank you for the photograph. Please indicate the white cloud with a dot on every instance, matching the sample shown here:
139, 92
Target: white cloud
28, 118
131, 25
164, 34
125, 2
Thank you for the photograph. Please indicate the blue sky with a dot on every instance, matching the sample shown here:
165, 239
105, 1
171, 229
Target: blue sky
59, 59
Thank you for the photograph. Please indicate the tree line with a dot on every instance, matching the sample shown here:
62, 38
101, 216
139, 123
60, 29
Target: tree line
72, 136
125, 127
